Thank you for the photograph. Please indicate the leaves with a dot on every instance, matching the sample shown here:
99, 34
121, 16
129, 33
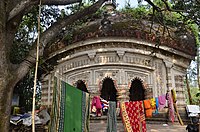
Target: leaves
24, 88
27, 31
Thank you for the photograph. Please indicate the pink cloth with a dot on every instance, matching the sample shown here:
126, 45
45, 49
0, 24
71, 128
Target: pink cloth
96, 102
162, 101
171, 107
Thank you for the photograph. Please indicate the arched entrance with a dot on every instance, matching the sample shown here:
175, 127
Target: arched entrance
81, 85
136, 90
108, 91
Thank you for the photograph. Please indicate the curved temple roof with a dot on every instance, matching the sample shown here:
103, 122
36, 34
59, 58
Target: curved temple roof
122, 26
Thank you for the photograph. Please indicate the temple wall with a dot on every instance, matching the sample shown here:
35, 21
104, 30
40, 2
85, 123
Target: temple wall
122, 63
47, 89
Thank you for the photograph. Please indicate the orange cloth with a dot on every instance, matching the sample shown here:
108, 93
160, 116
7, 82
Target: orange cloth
147, 104
148, 112
148, 108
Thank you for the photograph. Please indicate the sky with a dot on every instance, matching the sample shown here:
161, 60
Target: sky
122, 3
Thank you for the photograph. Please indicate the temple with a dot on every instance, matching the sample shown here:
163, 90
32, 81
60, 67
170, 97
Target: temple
120, 57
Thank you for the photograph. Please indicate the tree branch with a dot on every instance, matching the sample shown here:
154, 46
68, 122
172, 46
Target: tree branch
166, 4
153, 5
52, 32
26, 4
59, 2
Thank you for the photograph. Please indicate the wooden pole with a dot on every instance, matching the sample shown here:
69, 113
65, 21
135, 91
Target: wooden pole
175, 106
36, 69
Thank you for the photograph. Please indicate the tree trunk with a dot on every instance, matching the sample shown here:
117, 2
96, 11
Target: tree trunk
5, 91
6, 78
10, 76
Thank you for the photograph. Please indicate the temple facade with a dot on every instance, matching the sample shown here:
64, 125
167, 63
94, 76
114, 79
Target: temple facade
123, 60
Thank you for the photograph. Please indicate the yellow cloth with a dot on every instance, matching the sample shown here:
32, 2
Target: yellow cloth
153, 103
174, 95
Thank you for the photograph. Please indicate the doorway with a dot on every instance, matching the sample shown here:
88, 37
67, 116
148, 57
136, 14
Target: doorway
81, 85
108, 91
137, 90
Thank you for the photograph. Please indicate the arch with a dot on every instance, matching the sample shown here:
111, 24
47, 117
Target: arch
137, 90
80, 84
108, 91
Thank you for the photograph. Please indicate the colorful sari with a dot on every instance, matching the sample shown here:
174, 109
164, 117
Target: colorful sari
133, 116
70, 109
171, 107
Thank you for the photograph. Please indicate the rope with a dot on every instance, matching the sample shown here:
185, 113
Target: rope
36, 69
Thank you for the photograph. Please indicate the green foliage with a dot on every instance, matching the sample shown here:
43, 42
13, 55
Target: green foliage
140, 12
24, 89
190, 13
184, 14
27, 31
172, 19
195, 30
190, 9
195, 97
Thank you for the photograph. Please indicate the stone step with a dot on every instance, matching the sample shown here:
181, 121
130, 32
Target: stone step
161, 118
101, 125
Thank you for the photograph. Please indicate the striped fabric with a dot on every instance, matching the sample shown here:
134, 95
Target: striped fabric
70, 109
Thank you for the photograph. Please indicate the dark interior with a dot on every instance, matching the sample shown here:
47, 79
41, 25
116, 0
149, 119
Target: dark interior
136, 90
81, 85
108, 91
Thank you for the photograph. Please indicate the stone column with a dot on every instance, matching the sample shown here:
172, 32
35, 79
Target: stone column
123, 95
148, 91
47, 90
169, 75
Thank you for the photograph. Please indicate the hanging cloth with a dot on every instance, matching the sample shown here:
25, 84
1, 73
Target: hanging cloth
112, 118
148, 109
157, 105
153, 104
133, 116
96, 105
162, 101
171, 107
105, 103
70, 109
93, 105
174, 95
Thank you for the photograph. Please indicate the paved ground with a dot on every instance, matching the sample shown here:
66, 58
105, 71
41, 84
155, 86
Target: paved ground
101, 127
